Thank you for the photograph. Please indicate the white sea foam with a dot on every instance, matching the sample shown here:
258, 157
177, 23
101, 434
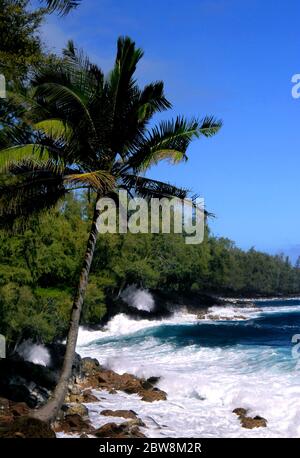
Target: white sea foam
141, 299
232, 312
123, 325
204, 384
34, 353
281, 309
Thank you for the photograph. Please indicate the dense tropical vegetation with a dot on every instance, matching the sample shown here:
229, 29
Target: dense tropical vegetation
39, 270
68, 136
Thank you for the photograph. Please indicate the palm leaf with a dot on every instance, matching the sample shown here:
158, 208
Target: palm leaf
19, 153
61, 6
99, 181
147, 188
31, 190
54, 128
152, 100
171, 140
64, 98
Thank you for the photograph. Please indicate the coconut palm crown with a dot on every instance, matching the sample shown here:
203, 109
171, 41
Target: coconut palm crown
85, 130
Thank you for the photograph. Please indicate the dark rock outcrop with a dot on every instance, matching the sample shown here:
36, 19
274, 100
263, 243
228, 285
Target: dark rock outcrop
57, 354
123, 431
95, 376
166, 303
120, 413
24, 386
23, 381
75, 409
85, 396
250, 422
27, 428
74, 424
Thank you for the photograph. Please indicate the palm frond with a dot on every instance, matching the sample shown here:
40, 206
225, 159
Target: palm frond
63, 98
152, 99
123, 92
79, 65
127, 59
99, 181
147, 188
16, 154
72, 93
61, 6
54, 128
20, 143
170, 139
209, 126
29, 190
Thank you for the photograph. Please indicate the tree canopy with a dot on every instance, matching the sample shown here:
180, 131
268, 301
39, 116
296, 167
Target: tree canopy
39, 269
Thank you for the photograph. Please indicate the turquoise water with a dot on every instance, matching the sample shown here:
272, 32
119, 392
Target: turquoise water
208, 368
273, 326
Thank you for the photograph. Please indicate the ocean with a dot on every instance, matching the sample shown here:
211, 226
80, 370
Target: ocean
208, 368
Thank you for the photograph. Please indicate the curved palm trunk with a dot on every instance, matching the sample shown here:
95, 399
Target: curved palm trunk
50, 410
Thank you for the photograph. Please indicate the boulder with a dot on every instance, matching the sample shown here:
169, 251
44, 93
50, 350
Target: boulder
240, 412
23, 381
123, 431
10, 410
255, 422
57, 354
89, 366
153, 380
82, 398
106, 379
73, 424
75, 409
154, 395
250, 422
88, 396
136, 422
28, 428
75, 390
120, 413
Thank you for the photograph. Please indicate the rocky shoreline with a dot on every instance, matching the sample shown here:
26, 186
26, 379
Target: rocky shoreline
25, 386
15, 421
166, 304
86, 386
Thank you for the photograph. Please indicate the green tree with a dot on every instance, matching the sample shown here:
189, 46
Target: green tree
45, 260
89, 131
21, 48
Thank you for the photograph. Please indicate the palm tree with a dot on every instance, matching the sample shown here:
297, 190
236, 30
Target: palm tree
83, 130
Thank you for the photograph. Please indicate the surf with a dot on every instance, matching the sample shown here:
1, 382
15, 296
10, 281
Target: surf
208, 368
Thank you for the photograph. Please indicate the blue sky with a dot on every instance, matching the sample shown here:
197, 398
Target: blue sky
231, 58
